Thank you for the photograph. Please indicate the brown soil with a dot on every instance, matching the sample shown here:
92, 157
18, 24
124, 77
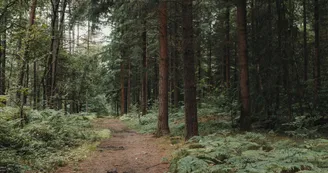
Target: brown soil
125, 152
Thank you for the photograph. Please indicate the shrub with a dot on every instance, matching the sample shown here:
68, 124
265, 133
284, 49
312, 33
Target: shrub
43, 142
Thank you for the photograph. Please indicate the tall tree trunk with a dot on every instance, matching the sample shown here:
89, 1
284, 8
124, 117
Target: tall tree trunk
78, 37
26, 82
280, 59
122, 72
23, 77
317, 52
50, 79
227, 48
176, 60
70, 28
122, 89
1, 71
305, 42
21, 94
3, 62
198, 58
128, 91
156, 80
3, 54
144, 83
163, 125
245, 116
269, 93
209, 72
59, 42
189, 71
35, 85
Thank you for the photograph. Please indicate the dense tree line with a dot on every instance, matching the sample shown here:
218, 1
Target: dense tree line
259, 54
44, 63
266, 57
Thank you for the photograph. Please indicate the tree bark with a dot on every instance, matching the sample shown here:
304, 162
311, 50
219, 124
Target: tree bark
128, 91
36, 90
305, 42
227, 47
59, 42
156, 80
122, 89
163, 125
176, 60
3, 54
317, 52
245, 117
50, 79
24, 73
209, 72
3, 63
189, 71
144, 85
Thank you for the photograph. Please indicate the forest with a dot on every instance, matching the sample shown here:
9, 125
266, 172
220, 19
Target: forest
217, 86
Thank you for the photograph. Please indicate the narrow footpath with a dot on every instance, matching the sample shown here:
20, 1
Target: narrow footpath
125, 152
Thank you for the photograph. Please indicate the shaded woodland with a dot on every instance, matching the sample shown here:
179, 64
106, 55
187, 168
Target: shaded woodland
259, 65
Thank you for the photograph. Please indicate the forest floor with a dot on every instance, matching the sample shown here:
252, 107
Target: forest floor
125, 152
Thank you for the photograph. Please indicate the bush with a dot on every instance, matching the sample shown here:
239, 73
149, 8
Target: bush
43, 142
250, 152
99, 105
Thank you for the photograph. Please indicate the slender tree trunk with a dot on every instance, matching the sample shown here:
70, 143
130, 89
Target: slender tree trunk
70, 28
21, 81
59, 40
209, 73
176, 60
245, 117
26, 82
3, 55
317, 52
3, 60
305, 42
156, 70
198, 58
3, 66
144, 85
50, 79
123, 74
189, 71
1, 71
122, 89
128, 91
227, 48
24, 73
21, 95
280, 13
289, 55
78, 37
268, 94
163, 125
235, 71
35, 85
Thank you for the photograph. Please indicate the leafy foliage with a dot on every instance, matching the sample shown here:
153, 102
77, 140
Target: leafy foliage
220, 149
250, 152
45, 141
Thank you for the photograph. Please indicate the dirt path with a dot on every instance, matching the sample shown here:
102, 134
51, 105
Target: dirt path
125, 152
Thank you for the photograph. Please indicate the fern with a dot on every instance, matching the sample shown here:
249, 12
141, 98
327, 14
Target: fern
43, 143
252, 152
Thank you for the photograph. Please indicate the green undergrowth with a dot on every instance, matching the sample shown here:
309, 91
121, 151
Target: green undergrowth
220, 149
48, 140
210, 121
226, 152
